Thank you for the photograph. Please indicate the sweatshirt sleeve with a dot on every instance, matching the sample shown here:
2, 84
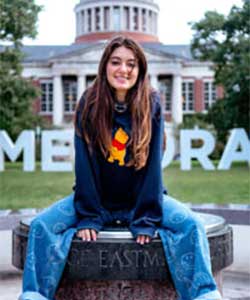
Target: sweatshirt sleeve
149, 188
87, 199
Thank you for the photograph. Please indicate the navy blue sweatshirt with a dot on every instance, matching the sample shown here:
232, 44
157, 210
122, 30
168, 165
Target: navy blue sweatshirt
107, 184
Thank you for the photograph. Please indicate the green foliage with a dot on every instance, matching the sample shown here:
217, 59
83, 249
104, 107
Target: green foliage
192, 120
225, 41
16, 95
203, 121
17, 20
218, 115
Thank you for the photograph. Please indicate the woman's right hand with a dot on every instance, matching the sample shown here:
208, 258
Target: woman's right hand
87, 234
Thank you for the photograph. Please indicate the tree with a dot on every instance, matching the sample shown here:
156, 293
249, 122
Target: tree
17, 20
225, 41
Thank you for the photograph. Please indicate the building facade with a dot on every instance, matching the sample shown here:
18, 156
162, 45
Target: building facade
64, 72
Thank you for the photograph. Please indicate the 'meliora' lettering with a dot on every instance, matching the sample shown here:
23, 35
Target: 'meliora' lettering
57, 152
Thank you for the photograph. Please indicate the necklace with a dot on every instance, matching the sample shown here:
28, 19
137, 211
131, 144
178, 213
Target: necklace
121, 107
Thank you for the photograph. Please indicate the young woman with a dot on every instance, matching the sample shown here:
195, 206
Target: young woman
118, 151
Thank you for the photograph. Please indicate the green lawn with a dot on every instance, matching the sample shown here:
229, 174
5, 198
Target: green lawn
20, 189
199, 186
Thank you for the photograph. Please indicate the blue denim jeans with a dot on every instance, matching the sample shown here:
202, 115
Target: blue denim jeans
182, 234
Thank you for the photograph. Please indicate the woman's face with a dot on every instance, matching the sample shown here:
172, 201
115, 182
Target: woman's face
122, 71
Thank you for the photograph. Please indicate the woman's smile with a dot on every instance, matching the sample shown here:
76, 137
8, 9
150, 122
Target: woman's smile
122, 71
121, 79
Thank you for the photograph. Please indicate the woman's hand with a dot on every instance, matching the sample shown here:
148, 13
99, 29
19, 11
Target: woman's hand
87, 234
143, 239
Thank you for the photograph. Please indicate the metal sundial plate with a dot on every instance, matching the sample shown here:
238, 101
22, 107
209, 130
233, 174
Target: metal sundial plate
211, 222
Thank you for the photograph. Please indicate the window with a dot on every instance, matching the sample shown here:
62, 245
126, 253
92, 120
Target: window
89, 20
82, 23
126, 17
46, 96
188, 96
136, 19
165, 88
97, 19
69, 93
89, 80
209, 94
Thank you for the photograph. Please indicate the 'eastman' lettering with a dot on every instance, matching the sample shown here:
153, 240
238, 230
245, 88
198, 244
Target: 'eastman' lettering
129, 258
79, 258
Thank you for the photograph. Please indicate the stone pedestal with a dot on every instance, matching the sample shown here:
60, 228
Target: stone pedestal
116, 290
115, 267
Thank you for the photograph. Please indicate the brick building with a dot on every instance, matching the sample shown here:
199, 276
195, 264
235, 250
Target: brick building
64, 72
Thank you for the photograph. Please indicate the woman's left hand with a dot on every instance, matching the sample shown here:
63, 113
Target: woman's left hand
143, 239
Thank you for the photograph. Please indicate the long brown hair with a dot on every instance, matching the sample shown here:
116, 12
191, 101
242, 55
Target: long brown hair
98, 108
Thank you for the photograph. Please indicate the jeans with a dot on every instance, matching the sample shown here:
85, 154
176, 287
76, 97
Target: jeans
182, 234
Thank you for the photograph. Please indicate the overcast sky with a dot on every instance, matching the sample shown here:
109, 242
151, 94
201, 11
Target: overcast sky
56, 24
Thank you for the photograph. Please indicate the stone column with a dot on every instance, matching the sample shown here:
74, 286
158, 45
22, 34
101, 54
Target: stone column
78, 23
122, 26
81, 85
85, 21
147, 21
101, 16
58, 101
153, 22
177, 100
139, 19
154, 81
156, 23
131, 18
93, 28
111, 20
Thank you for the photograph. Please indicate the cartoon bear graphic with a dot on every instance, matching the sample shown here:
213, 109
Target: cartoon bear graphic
118, 148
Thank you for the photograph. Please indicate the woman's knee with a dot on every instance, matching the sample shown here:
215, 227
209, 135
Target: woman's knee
196, 222
38, 220
56, 217
174, 212
37, 228
179, 217
41, 218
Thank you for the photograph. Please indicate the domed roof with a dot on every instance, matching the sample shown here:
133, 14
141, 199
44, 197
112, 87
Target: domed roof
102, 19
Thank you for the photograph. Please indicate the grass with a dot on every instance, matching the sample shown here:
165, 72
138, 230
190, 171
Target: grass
200, 186
20, 189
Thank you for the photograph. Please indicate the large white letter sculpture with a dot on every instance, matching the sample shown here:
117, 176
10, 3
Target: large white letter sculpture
25, 143
54, 145
168, 154
238, 138
201, 154
58, 152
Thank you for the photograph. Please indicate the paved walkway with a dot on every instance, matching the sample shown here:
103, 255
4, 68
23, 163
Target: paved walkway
236, 286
